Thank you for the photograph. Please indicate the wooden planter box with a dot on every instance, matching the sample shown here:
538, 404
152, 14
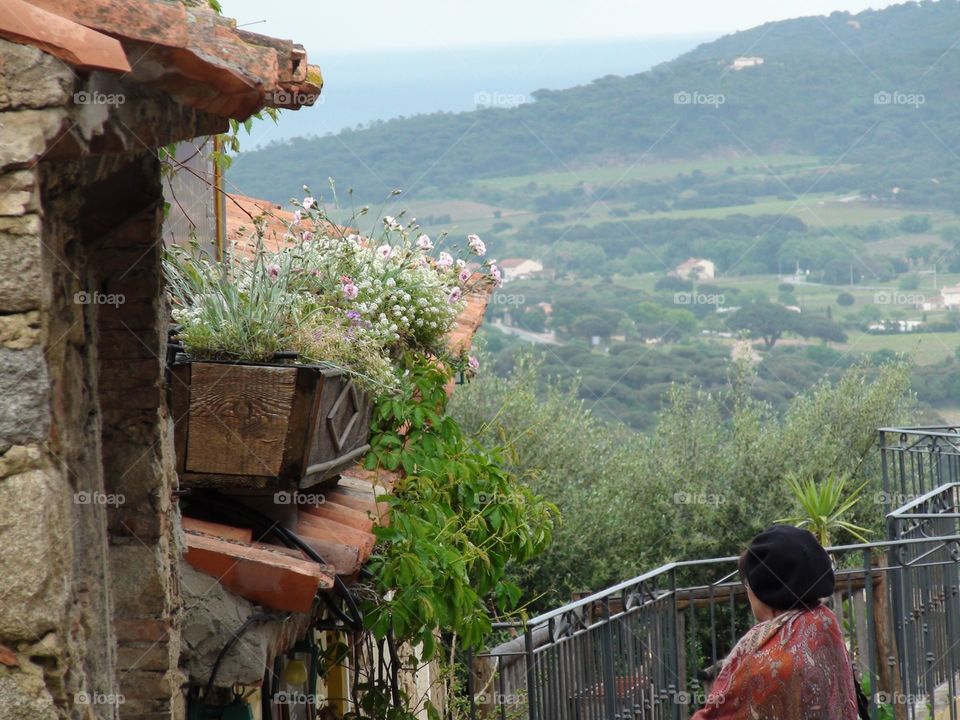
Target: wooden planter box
265, 427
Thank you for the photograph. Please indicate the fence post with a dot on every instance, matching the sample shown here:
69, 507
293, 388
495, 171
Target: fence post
532, 703
888, 661
609, 674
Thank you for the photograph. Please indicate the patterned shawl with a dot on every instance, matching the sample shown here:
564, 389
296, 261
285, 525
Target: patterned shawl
793, 667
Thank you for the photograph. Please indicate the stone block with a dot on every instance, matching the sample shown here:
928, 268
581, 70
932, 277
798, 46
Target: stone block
140, 582
26, 135
31, 78
23, 696
18, 192
24, 387
37, 553
21, 284
20, 331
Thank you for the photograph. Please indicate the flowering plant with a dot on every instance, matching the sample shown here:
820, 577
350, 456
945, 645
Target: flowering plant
327, 294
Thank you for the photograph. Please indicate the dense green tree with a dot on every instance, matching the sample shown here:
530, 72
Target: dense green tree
767, 321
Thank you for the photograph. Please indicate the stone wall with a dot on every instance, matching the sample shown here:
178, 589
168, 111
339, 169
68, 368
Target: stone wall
89, 608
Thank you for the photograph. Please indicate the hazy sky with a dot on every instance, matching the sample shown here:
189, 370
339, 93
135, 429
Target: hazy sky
368, 25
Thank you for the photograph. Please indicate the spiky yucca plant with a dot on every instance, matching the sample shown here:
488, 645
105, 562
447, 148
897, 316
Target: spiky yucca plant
824, 505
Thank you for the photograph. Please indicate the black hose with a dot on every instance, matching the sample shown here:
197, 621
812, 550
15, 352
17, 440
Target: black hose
226, 648
264, 525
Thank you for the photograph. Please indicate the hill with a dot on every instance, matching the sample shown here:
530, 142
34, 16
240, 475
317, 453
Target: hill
872, 95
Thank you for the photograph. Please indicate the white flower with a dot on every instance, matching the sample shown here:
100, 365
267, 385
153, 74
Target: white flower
308, 202
297, 215
425, 243
384, 251
445, 261
391, 282
497, 275
476, 245
454, 295
460, 264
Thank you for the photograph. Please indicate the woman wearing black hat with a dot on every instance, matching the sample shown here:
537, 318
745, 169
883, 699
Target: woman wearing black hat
792, 665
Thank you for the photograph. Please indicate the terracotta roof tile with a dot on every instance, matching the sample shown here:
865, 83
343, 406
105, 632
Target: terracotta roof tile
76, 45
241, 208
198, 57
262, 574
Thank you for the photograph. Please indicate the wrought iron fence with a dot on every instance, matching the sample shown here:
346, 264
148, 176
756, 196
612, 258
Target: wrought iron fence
917, 460
649, 648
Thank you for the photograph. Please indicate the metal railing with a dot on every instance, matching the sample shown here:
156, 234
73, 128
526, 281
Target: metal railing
917, 460
650, 647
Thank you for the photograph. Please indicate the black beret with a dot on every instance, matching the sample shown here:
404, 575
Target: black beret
787, 568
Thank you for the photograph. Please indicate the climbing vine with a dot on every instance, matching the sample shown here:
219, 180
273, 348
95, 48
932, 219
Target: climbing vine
457, 521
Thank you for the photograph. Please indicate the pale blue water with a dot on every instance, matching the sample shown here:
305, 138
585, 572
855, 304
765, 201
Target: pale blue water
361, 88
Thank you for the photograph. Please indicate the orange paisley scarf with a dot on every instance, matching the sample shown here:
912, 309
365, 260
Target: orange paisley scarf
793, 667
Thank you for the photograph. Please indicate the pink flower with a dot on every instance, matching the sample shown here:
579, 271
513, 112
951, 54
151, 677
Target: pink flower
308, 202
473, 363
384, 251
454, 296
445, 261
476, 245
350, 291
464, 276
273, 270
307, 236
425, 243
297, 216
497, 275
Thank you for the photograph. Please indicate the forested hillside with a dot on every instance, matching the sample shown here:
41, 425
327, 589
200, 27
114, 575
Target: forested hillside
876, 92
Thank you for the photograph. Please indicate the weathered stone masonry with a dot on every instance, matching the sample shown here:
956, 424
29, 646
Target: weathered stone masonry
89, 531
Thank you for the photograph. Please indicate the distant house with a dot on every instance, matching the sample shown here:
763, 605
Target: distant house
949, 297
695, 269
742, 63
519, 268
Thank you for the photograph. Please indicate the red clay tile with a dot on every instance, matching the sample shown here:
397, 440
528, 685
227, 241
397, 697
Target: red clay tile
263, 576
73, 43
227, 532
8, 657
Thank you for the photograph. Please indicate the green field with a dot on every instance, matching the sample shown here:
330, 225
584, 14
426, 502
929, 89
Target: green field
644, 170
922, 348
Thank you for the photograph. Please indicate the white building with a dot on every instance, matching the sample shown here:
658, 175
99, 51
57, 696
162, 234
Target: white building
950, 297
519, 268
742, 63
696, 269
